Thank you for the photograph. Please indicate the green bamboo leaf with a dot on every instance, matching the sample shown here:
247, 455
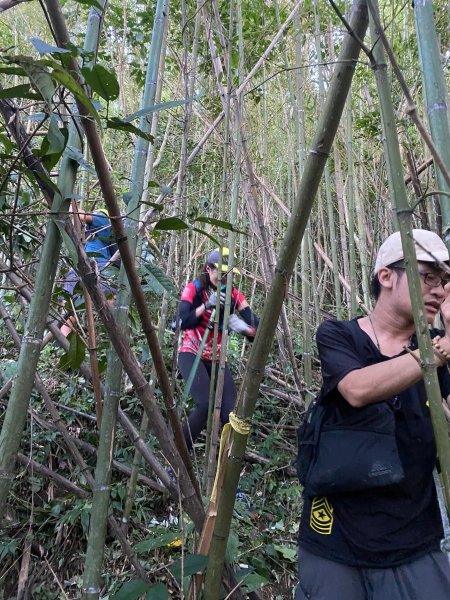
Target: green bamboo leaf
208, 235
12, 70
216, 222
40, 78
6, 143
254, 582
66, 80
68, 243
76, 353
189, 565
171, 224
288, 552
131, 590
117, 123
91, 3
155, 108
158, 207
44, 48
158, 592
53, 144
78, 156
102, 81
157, 542
160, 282
56, 139
19, 91
46, 179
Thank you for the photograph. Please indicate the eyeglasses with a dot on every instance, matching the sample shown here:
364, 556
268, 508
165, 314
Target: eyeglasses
434, 280
431, 279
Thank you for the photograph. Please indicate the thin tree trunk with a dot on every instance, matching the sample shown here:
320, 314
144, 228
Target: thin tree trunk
326, 131
404, 217
436, 98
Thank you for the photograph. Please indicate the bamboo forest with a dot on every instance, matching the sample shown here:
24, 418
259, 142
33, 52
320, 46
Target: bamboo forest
278, 141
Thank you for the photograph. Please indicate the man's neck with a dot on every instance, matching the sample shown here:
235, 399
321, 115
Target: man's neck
393, 330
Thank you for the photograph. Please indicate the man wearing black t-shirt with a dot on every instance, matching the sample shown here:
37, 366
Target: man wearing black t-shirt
383, 543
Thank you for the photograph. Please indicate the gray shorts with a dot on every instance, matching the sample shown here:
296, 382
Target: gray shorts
426, 578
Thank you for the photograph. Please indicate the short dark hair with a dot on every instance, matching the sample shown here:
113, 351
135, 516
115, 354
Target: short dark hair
375, 287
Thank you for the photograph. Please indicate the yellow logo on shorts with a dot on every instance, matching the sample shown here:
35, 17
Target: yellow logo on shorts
321, 520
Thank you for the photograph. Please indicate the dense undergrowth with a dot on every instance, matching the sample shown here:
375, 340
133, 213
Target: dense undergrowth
43, 544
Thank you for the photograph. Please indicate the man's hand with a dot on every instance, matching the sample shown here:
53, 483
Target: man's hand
445, 317
445, 309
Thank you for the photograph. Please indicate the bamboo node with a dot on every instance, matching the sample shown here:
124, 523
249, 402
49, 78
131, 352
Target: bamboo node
242, 426
102, 488
282, 272
437, 106
416, 358
406, 211
31, 339
141, 387
256, 371
92, 590
319, 152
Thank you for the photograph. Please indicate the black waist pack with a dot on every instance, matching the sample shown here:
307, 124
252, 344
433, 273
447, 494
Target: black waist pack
351, 452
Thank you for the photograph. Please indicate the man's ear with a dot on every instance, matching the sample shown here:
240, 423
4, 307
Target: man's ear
386, 277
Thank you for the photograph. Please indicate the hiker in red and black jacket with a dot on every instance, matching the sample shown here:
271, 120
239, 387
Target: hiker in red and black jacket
198, 302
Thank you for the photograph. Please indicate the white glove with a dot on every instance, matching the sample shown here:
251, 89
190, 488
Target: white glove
212, 300
238, 325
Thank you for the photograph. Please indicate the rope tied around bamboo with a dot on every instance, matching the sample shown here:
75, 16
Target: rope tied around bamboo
241, 426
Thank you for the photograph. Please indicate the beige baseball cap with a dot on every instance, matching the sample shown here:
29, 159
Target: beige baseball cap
429, 248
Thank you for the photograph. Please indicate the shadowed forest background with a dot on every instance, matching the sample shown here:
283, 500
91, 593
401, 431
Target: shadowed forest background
196, 120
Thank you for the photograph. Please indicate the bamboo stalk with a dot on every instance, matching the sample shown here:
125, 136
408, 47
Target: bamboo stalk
149, 169
329, 202
58, 423
132, 432
351, 206
15, 415
192, 504
404, 216
435, 94
317, 157
101, 499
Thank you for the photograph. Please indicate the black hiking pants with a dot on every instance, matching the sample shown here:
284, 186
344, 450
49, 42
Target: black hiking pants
200, 393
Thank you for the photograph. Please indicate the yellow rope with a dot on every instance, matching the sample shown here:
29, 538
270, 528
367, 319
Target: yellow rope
241, 426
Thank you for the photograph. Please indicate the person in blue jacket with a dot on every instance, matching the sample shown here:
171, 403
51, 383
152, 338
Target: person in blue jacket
99, 244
